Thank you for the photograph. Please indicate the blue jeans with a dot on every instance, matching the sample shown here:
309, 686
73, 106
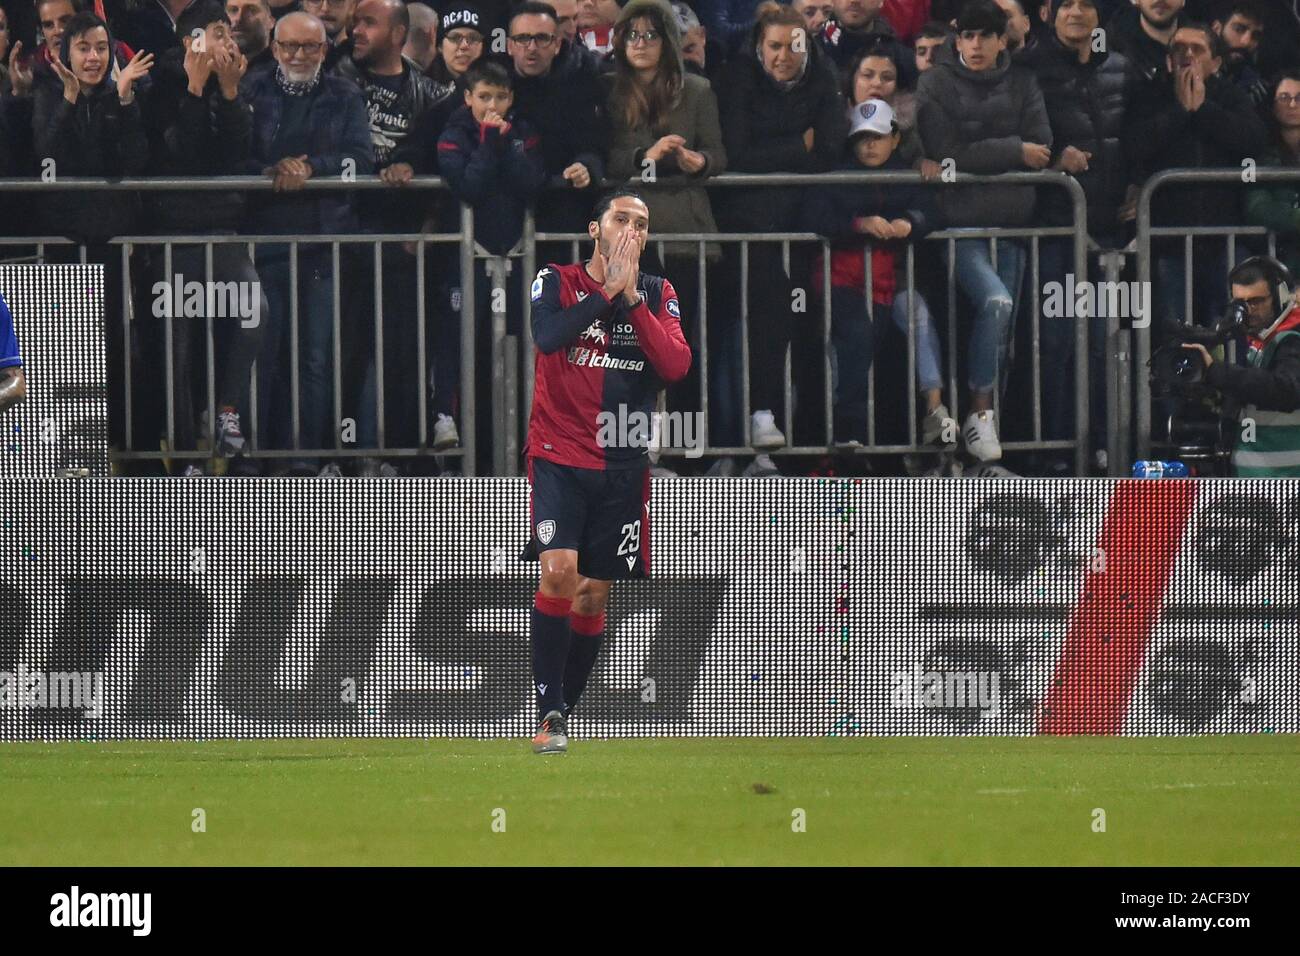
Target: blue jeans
993, 294
403, 391
928, 372
315, 349
1057, 341
855, 335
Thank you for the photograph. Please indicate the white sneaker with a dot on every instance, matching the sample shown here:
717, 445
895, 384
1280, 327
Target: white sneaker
445, 434
980, 434
659, 471
192, 471
761, 467
763, 432
935, 425
331, 471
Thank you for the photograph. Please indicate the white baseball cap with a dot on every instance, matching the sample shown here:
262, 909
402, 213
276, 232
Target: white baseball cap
871, 116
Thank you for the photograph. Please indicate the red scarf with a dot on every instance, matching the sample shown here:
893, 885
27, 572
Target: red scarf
1290, 322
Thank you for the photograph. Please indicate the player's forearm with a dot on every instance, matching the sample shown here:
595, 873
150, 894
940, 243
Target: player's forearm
13, 388
665, 347
554, 329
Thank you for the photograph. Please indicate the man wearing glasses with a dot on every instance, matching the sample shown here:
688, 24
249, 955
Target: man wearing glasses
1266, 391
1194, 117
557, 90
307, 124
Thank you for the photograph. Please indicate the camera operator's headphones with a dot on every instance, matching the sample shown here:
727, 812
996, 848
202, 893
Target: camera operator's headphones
1279, 279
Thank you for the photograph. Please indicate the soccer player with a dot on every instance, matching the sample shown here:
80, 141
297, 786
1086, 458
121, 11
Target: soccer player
608, 339
13, 384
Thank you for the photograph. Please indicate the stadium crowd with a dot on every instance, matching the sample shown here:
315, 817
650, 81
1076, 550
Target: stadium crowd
539, 105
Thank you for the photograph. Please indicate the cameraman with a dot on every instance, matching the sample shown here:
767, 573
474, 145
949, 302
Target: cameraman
1268, 389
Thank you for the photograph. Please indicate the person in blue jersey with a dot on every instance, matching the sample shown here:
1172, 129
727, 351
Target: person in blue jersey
13, 383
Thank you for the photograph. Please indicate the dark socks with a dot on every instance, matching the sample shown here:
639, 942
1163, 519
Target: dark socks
584, 647
550, 651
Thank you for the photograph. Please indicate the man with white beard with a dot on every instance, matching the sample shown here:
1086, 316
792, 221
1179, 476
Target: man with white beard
306, 124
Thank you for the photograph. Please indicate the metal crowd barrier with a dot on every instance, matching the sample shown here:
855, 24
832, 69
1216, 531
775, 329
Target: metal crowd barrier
506, 426
127, 244
505, 351
1141, 424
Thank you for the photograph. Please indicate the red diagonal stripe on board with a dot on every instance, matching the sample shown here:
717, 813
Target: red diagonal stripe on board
1112, 624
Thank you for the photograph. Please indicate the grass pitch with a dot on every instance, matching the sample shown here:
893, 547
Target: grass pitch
967, 801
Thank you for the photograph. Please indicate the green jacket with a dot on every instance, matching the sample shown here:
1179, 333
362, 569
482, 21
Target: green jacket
678, 202
1273, 380
1276, 206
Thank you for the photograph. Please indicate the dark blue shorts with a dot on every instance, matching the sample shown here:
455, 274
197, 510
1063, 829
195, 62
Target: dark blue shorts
603, 515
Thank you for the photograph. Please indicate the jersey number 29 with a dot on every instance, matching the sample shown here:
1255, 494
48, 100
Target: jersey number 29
631, 538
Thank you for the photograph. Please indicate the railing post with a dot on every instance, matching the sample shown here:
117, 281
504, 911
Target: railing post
1119, 420
497, 267
468, 400
1081, 409
1142, 335
530, 268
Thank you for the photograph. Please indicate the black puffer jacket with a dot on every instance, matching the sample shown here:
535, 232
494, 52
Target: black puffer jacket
98, 137
1159, 134
763, 132
1085, 104
981, 120
566, 108
194, 136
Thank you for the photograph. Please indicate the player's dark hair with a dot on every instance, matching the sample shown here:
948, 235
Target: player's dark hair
607, 200
489, 72
77, 5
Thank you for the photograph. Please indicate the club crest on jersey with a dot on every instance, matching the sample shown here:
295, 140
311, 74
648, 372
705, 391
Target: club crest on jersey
455, 300
673, 309
537, 284
546, 531
595, 333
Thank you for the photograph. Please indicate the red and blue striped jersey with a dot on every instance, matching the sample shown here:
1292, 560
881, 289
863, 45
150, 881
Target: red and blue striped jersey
598, 358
